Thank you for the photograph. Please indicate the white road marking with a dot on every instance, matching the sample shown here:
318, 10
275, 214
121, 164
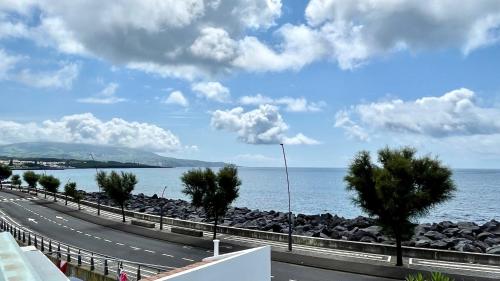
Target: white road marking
109, 241
135, 248
32, 220
167, 255
186, 259
120, 244
149, 251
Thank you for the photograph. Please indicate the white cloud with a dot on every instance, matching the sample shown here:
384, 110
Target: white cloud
106, 96
196, 39
176, 97
7, 63
263, 125
86, 128
291, 104
358, 30
454, 114
188, 39
62, 78
212, 91
214, 43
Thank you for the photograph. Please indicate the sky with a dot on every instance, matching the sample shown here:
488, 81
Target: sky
229, 80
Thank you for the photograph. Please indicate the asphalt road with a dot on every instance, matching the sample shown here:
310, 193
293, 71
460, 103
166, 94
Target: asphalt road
136, 248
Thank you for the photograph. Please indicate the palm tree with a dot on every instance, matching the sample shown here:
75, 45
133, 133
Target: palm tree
31, 179
213, 192
69, 190
15, 180
5, 173
399, 190
118, 187
50, 184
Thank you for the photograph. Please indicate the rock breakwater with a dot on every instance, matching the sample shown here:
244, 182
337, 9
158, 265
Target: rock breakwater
458, 236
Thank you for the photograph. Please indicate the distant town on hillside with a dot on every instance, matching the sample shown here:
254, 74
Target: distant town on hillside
61, 164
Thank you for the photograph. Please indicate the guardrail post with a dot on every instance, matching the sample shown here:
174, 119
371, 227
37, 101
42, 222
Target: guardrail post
42, 248
24, 236
59, 250
68, 254
92, 267
36, 242
105, 267
29, 238
139, 272
79, 258
19, 234
50, 247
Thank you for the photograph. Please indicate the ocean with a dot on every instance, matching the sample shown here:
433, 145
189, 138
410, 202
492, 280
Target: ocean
313, 190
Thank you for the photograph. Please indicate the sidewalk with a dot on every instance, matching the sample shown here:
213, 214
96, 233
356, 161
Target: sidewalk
340, 260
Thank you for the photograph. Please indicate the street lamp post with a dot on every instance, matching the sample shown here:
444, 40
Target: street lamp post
161, 209
289, 205
99, 186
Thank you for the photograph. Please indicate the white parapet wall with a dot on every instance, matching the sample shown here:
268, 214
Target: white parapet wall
248, 265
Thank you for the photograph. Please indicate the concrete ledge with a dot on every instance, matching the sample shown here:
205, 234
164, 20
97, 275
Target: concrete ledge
143, 223
187, 231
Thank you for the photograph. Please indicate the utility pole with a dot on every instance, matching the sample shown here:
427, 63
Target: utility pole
99, 186
289, 204
161, 209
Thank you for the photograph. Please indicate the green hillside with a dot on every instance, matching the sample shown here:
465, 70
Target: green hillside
100, 153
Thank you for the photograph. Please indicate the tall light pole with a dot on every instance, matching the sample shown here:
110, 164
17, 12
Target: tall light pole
161, 209
289, 205
99, 186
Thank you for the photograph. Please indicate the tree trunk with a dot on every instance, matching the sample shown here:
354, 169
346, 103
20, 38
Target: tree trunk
45, 194
215, 226
66, 201
55, 198
79, 205
399, 251
123, 212
1, 186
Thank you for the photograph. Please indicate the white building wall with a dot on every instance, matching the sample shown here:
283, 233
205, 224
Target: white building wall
248, 265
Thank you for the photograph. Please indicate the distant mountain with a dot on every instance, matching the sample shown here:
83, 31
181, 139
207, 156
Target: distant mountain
100, 153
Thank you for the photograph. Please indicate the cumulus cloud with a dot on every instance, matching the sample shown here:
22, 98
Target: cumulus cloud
7, 63
176, 97
357, 30
61, 78
86, 128
212, 91
106, 96
454, 114
291, 104
196, 39
263, 125
185, 39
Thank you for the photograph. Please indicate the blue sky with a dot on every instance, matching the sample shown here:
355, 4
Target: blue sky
230, 80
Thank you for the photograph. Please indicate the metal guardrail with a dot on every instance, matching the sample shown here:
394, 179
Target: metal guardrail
100, 263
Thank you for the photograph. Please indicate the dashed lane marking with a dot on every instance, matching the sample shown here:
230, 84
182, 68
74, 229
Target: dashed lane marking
186, 259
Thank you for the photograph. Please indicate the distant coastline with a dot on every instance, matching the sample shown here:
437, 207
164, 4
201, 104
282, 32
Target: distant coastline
38, 163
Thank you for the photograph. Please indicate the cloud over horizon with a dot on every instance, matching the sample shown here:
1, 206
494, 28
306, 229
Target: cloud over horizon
263, 125
86, 128
454, 114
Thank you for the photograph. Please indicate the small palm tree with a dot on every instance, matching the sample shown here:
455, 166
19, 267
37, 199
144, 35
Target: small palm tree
50, 184
16, 181
213, 192
5, 173
31, 179
399, 190
118, 187
69, 190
